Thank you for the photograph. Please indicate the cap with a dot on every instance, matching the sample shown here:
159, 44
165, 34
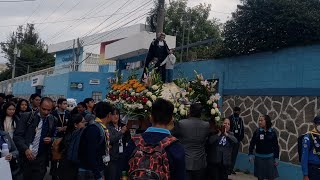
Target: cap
316, 120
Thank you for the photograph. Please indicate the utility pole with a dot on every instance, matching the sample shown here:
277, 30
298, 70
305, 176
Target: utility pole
73, 56
78, 53
188, 39
15, 53
160, 16
28, 69
182, 45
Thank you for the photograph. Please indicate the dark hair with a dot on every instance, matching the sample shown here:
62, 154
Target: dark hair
162, 111
76, 119
102, 110
87, 100
268, 121
61, 100
33, 96
2, 95
196, 110
236, 109
18, 107
74, 111
9, 97
46, 99
4, 112
82, 104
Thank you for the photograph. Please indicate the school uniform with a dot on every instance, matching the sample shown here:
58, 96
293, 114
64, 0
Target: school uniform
267, 153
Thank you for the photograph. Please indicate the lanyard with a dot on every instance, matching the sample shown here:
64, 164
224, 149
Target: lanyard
61, 120
106, 130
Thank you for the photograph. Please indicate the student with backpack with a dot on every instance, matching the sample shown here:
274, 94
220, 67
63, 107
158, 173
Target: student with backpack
33, 137
161, 155
310, 159
94, 145
266, 157
68, 170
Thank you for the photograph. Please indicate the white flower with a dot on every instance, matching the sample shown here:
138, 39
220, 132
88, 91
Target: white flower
153, 97
177, 105
155, 87
183, 112
217, 110
140, 106
217, 118
149, 103
137, 94
215, 105
217, 96
181, 106
133, 93
149, 94
175, 110
209, 102
213, 112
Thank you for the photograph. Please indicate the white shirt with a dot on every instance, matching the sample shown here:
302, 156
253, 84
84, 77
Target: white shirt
8, 126
161, 43
169, 61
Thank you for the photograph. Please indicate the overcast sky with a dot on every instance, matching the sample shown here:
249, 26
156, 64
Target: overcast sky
61, 20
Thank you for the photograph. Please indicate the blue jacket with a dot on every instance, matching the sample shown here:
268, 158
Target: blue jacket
175, 152
308, 155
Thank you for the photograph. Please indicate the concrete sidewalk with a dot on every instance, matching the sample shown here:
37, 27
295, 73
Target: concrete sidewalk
242, 176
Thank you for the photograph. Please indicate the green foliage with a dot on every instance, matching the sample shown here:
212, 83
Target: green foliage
181, 20
260, 25
33, 52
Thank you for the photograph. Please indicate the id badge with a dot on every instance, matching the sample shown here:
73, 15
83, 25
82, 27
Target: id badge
236, 131
261, 136
106, 159
121, 148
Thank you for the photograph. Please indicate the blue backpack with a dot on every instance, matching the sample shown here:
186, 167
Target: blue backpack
73, 149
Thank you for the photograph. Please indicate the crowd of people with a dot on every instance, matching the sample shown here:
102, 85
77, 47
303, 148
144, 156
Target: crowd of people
91, 143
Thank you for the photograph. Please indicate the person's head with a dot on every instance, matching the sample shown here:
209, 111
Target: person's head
116, 116
62, 104
81, 107
23, 106
162, 36
54, 105
89, 103
76, 122
226, 124
171, 51
9, 109
236, 111
45, 106
265, 122
316, 122
196, 110
103, 111
162, 113
9, 97
2, 97
35, 100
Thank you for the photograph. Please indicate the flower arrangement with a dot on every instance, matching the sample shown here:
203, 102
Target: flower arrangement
135, 98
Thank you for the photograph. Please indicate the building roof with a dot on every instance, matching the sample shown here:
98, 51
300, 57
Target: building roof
100, 37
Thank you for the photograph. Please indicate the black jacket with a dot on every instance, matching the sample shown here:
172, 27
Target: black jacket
219, 153
265, 142
61, 121
26, 131
236, 126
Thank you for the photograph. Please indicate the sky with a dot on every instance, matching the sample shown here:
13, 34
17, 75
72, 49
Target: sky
61, 20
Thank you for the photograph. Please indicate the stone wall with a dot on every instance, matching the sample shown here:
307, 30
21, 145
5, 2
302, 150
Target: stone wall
291, 117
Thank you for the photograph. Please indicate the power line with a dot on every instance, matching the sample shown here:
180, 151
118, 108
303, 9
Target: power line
82, 17
62, 21
107, 18
34, 11
17, 1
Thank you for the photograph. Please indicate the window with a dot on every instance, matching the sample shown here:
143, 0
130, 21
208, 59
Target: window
97, 96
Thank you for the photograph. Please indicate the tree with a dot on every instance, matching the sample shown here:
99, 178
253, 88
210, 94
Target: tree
33, 52
264, 25
183, 22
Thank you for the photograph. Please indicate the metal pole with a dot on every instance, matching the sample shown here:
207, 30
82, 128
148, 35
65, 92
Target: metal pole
188, 41
181, 56
15, 52
160, 16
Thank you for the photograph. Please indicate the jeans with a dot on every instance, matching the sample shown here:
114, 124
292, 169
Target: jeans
169, 75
